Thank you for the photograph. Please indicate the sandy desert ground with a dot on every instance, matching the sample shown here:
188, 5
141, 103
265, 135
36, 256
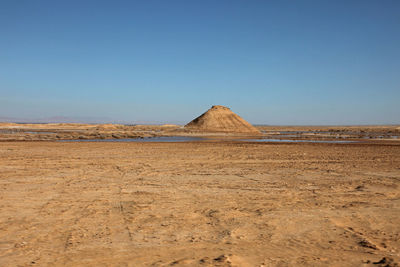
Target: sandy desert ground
199, 204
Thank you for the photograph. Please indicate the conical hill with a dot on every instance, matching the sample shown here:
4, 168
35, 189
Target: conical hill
221, 119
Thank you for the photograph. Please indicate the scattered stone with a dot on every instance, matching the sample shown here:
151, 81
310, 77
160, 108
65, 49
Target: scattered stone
386, 262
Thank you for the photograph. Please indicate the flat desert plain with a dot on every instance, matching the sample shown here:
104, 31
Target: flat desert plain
199, 204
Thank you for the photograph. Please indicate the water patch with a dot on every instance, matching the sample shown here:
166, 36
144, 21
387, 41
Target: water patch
8, 131
382, 137
300, 141
147, 139
30, 132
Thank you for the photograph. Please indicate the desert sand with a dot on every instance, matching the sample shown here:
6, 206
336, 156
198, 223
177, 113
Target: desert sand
208, 203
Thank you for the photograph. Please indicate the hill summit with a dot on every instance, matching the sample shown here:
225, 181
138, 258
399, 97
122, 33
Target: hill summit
221, 119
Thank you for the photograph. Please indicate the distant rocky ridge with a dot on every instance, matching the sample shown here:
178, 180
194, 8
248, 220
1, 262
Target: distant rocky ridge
58, 119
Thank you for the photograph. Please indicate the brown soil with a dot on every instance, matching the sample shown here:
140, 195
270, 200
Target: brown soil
199, 204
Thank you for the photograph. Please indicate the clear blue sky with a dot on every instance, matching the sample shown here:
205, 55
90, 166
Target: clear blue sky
272, 62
